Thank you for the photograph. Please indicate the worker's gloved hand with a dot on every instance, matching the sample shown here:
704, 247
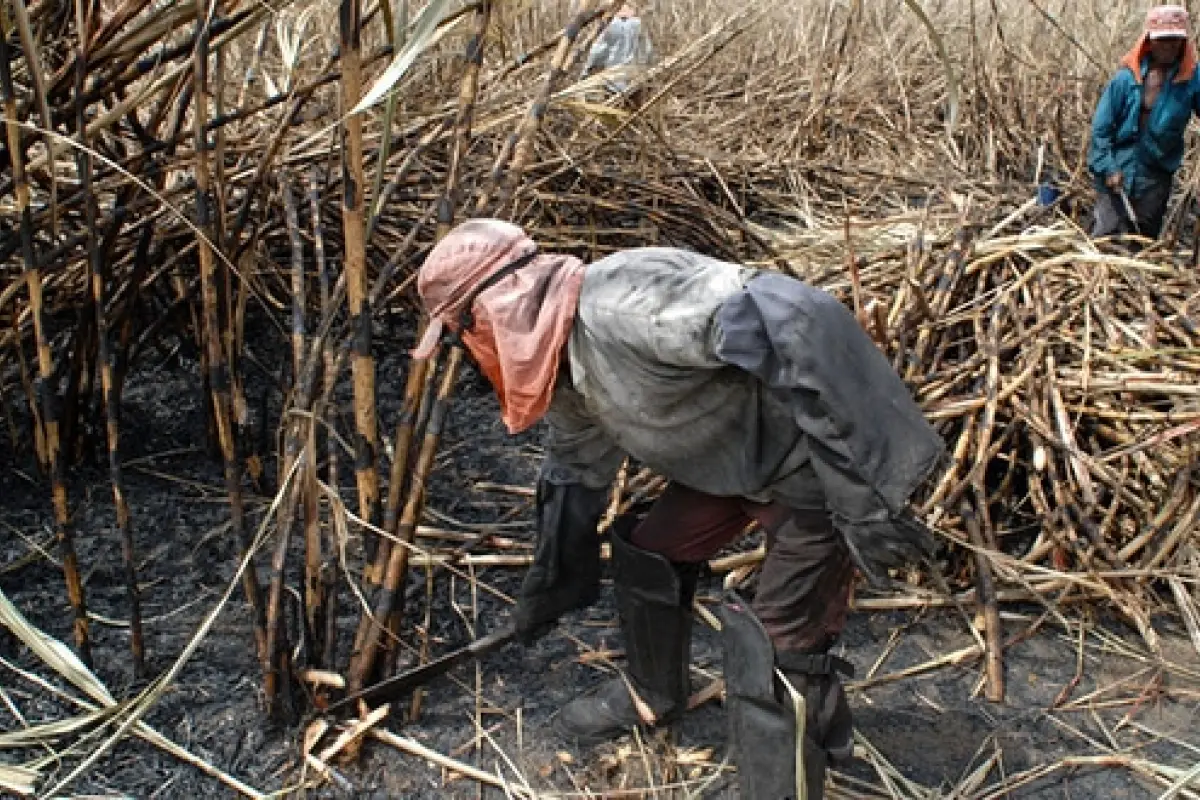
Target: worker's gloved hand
877, 545
565, 574
1115, 180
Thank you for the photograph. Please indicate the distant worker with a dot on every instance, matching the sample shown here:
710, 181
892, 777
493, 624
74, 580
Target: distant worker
762, 401
1138, 129
623, 43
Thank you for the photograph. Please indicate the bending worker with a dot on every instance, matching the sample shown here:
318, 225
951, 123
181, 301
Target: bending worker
1137, 132
761, 400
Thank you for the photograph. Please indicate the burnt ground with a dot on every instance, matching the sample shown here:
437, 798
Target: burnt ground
934, 729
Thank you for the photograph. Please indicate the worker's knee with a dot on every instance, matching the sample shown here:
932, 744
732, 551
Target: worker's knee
803, 589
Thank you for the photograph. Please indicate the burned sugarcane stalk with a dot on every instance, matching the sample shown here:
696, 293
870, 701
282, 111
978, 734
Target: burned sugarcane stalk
219, 381
44, 386
98, 263
952, 269
277, 680
367, 636
354, 231
420, 373
990, 342
37, 74
80, 369
303, 402
421, 411
328, 567
986, 595
397, 566
468, 92
406, 427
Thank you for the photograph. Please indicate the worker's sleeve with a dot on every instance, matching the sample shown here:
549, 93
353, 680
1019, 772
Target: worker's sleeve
1105, 123
571, 495
598, 55
869, 443
578, 446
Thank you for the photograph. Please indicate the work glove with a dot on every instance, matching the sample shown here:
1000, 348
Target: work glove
879, 536
565, 574
883, 542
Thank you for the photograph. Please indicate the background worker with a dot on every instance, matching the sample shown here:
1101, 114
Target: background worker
624, 43
1138, 128
761, 400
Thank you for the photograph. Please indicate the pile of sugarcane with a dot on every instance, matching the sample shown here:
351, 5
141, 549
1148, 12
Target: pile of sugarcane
178, 171
1064, 378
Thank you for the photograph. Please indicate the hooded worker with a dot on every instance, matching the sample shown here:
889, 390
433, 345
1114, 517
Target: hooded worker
1137, 131
762, 402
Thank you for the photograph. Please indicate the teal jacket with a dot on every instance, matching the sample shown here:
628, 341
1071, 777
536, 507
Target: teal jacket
1119, 143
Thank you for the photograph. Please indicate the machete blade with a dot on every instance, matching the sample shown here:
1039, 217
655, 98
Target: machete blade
388, 690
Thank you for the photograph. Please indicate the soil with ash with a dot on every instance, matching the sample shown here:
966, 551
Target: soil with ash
934, 728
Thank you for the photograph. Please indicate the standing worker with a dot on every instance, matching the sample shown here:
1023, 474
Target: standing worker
1138, 129
624, 43
762, 401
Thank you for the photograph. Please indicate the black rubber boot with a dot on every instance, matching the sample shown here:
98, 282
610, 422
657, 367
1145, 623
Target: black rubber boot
654, 602
764, 727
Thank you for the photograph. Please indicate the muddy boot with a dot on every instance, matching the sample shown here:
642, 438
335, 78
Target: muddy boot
764, 725
654, 602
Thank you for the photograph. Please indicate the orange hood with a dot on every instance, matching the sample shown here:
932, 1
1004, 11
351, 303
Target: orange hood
1133, 60
521, 324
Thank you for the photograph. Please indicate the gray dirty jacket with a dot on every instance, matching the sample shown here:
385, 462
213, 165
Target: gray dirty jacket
734, 382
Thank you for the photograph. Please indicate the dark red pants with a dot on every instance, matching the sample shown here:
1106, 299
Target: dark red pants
804, 586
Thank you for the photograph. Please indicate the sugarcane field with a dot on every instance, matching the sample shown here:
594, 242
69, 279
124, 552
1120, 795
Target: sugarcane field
586, 398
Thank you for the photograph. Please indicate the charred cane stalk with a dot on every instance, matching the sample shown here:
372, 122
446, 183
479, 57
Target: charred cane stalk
353, 224
986, 595
397, 565
99, 262
363, 657
328, 566
219, 381
468, 93
44, 385
277, 675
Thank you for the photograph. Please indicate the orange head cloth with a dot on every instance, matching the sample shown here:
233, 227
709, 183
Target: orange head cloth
520, 323
1163, 22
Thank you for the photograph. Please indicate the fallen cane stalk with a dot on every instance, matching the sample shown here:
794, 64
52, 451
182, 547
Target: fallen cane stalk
993, 632
415, 748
